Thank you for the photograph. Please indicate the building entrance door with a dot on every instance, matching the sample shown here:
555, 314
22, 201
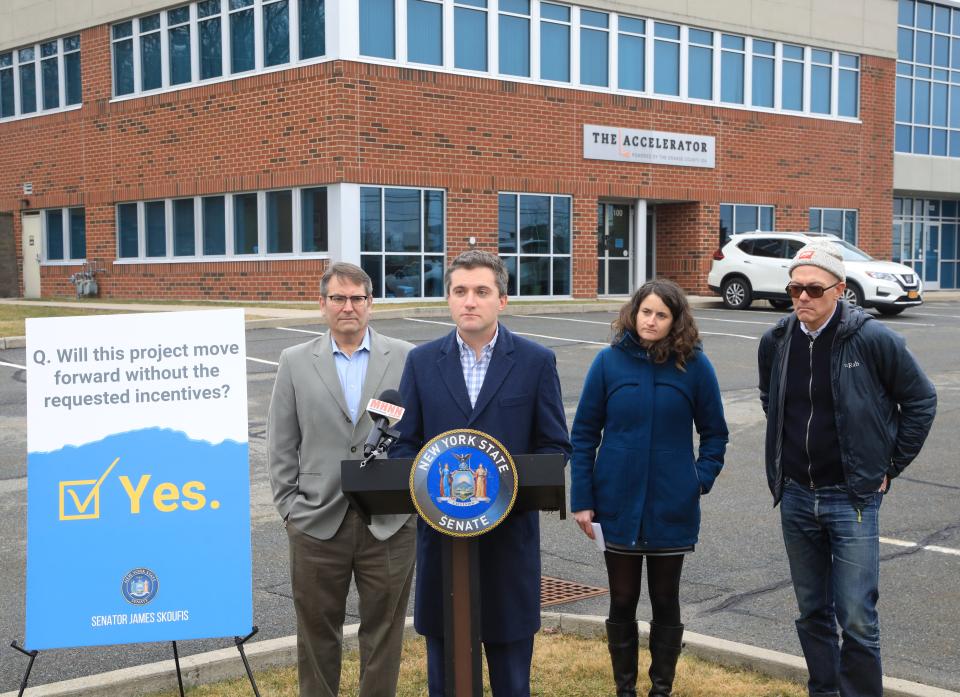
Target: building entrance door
931, 258
31, 254
614, 248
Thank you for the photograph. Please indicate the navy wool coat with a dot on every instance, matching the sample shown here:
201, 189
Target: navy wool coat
633, 462
519, 405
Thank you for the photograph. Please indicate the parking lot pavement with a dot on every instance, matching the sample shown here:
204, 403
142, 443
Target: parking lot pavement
735, 586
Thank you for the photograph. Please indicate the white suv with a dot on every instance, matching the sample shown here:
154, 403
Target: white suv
755, 265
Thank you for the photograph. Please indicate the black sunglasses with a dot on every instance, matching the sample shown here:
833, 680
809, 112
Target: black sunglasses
795, 290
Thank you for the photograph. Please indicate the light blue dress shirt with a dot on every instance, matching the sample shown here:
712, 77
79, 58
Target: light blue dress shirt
474, 369
352, 370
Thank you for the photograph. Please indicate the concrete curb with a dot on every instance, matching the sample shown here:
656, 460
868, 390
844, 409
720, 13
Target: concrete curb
224, 664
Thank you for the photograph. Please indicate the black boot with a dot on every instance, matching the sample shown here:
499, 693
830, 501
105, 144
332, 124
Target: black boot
665, 645
623, 642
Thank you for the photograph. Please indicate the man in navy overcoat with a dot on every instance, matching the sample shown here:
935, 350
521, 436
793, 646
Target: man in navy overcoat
484, 377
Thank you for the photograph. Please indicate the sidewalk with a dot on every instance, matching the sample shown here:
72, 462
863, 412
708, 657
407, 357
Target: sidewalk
225, 664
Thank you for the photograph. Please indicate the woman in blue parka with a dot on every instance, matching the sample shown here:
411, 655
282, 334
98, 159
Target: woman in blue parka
633, 470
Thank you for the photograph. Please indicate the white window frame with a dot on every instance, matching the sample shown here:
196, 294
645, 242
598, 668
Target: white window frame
293, 22
551, 255
229, 249
65, 232
383, 253
38, 59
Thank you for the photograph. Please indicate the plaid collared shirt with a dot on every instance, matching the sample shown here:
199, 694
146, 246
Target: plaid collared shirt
474, 369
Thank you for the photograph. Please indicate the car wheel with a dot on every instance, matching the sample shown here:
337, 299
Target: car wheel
853, 295
736, 293
890, 311
780, 304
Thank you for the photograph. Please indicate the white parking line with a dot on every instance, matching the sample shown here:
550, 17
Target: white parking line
260, 360
300, 331
929, 548
930, 314
607, 324
738, 336
13, 365
537, 336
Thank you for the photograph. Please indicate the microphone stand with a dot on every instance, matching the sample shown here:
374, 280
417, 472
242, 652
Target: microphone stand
388, 437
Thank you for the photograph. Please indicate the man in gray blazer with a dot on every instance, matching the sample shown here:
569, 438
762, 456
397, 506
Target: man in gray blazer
318, 418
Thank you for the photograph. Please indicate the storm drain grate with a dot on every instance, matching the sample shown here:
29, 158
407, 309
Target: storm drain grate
556, 591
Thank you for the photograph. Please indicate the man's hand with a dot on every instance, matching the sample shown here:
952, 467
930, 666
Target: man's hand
585, 521
884, 484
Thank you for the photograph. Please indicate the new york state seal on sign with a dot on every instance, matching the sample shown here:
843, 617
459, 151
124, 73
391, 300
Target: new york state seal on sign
463, 483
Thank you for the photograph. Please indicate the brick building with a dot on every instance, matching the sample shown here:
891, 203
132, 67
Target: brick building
232, 148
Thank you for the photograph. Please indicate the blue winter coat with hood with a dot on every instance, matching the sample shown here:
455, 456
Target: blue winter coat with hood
632, 438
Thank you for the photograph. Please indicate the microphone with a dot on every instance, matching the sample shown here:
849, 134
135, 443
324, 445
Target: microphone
385, 412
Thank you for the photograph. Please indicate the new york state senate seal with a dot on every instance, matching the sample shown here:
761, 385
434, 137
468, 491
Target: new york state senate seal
463, 483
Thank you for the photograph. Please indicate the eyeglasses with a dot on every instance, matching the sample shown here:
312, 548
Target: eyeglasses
795, 290
341, 300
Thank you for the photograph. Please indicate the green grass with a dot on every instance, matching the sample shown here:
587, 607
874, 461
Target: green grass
563, 666
12, 316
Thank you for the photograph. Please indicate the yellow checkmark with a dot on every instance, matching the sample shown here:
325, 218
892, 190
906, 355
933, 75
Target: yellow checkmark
79, 506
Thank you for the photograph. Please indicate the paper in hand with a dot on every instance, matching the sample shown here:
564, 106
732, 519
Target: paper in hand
598, 537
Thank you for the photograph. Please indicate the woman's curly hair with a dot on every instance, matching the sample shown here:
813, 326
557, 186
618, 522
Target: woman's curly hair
683, 336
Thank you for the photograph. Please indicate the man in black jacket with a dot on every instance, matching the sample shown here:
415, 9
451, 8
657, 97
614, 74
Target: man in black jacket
848, 408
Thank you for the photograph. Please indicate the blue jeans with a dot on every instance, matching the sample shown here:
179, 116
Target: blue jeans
834, 553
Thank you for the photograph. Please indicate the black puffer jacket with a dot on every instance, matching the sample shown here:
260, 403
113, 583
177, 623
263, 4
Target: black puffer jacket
884, 403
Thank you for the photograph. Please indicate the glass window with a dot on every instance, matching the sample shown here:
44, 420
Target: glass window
241, 36
155, 219
7, 107
313, 219
401, 211
312, 28
924, 15
470, 36
211, 39
276, 33
184, 239
732, 59
377, 28
849, 86
151, 67
514, 38
214, 225
763, 73
534, 243
50, 74
594, 48
127, 234
905, 12
820, 77
791, 86
921, 102
631, 54
835, 221
554, 42
71, 68
178, 40
28, 80
425, 32
279, 222
666, 59
245, 227
122, 58
736, 218
54, 224
700, 64
408, 224
78, 233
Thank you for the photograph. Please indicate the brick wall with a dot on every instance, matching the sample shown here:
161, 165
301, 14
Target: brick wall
473, 137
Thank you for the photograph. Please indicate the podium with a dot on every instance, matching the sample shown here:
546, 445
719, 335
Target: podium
382, 487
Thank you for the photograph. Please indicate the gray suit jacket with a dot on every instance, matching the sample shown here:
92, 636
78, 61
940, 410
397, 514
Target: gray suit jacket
309, 432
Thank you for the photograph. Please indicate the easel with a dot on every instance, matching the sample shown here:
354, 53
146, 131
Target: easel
239, 641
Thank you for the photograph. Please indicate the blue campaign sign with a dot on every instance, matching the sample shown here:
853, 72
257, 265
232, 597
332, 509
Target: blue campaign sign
137, 479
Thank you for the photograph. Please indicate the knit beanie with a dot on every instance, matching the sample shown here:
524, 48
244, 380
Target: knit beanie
823, 254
